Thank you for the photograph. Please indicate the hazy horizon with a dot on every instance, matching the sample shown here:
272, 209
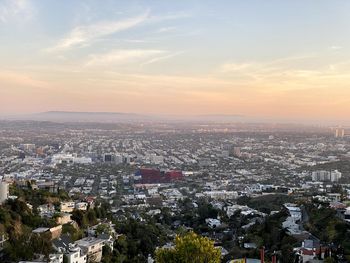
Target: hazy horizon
276, 60
126, 117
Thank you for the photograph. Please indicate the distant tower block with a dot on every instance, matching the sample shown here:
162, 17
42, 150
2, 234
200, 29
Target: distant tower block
4, 192
342, 133
236, 151
339, 133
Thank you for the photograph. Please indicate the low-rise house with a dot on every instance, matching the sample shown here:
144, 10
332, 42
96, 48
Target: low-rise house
334, 197
347, 214
108, 240
3, 239
53, 258
63, 218
67, 207
81, 206
53, 232
213, 223
92, 247
75, 254
56, 231
46, 210
294, 211
250, 245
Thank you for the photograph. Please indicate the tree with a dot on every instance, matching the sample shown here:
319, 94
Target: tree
91, 217
79, 217
329, 260
189, 248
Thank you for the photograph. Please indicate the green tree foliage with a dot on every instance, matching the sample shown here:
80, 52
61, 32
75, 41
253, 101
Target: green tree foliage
194, 216
75, 233
17, 221
80, 217
138, 241
38, 197
324, 223
107, 255
189, 248
89, 217
271, 235
22, 244
329, 260
103, 228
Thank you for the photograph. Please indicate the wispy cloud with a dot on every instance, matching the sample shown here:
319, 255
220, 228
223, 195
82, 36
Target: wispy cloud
257, 65
287, 74
161, 58
21, 79
83, 35
235, 67
123, 56
335, 47
171, 16
166, 29
10, 9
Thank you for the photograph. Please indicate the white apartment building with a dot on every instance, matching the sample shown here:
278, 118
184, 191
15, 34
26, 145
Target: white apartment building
92, 247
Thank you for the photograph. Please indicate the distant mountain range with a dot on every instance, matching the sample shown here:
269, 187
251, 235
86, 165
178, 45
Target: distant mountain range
122, 117
72, 116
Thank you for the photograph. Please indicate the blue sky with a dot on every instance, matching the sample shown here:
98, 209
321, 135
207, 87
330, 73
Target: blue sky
180, 56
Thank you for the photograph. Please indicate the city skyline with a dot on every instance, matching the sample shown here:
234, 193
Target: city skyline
282, 60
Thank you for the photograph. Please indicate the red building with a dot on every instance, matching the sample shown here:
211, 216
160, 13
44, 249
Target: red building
153, 176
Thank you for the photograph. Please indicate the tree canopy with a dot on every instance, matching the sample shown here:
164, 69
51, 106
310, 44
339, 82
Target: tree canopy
189, 248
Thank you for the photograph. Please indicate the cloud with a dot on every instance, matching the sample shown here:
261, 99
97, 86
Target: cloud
160, 58
10, 9
10, 78
83, 35
166, 29
235, 67
286, 75
335, 47
171, 16
122, 56
273, 65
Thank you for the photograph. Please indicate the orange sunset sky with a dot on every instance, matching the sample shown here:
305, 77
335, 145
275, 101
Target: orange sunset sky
273, 59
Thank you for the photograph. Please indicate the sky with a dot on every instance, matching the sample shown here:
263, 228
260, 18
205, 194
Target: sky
273, 59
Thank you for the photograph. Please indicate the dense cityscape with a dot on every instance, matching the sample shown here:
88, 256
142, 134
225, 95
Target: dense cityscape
169, 131
88, 192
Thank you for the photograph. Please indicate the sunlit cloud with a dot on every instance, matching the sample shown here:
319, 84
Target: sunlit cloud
118, 57
238, 67
161, 58
83, 35
335, 47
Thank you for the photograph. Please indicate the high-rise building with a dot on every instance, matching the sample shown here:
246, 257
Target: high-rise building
28, 147
339, 133
108, 157
119, 159
323, 176
4, 192
335, 176
237, 152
